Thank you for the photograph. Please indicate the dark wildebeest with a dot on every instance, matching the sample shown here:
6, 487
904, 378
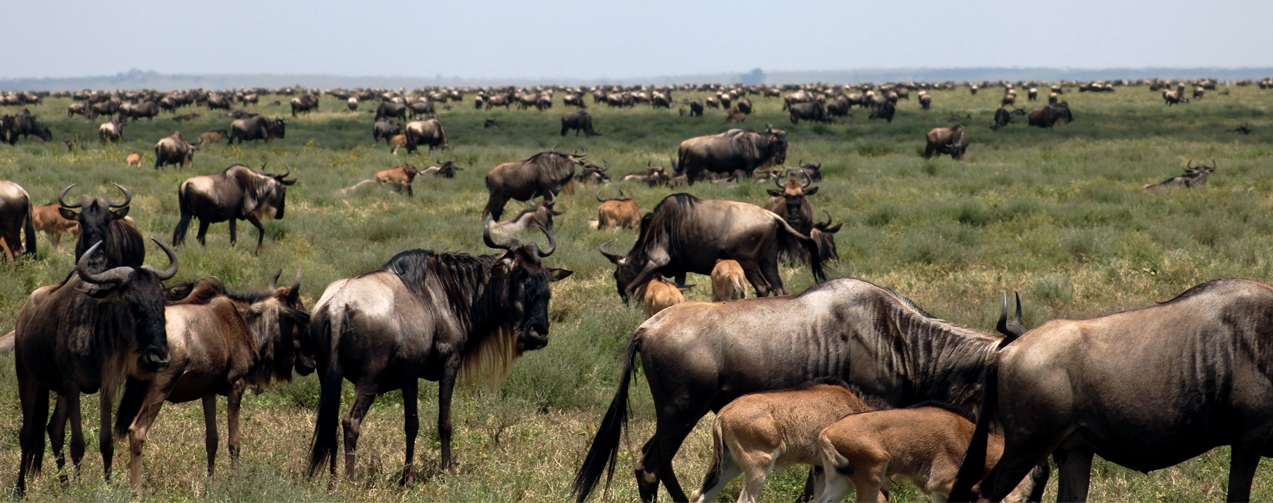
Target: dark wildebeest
212, 137
538, 176
736, 151
591, 173
391, 109
698, 357
653, 176
238, 193
823, 233
385, 129
148, 110
257, 128
925, 101
1185, 376
84, 335
304, 104
446, 170
744, 106
696, 107
420, 108
219, 343
1051, 115
101, 219
686, 234
174, 150
839, 107
618, 212
792, 204
884, 111
538, 215
812, 170
1193, 177
25, 125
1002, 119
16, 216
810, 111
111, 131
425, 315
400, 178
578, 121
947, 140
426, 132
107, 108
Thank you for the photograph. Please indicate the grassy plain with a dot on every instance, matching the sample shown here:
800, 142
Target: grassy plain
1058, 215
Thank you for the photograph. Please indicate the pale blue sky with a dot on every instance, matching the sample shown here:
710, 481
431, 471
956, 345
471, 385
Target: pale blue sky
600, 39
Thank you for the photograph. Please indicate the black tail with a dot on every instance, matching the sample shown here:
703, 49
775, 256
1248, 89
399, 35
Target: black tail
323, 446
605, 446
129, 405
29, 228
973, 468
810, 245
33, 455
179, 234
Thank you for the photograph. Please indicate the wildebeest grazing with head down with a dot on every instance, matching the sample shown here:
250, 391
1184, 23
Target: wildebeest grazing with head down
1185, 376
884, 111
736, 151
618, 212
426, 132
810, 111
390, 109
385, 129
174, 150
257, 128
537, 176
304, 104
16, 216
1051, 115
578, 121
425, 315
111, 131
238, 193
947, 140
700, 356
1002, 119
686, 234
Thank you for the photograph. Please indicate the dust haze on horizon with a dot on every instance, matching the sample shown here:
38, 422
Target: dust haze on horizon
601, 40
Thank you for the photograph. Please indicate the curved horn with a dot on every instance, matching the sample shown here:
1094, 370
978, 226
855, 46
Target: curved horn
284, 175
607, 163
296, 284
552, 242
613, 257
171, 271
808, 180
116, 276
828, 224
778, 180
1188, 164
621, 196
274, 281
503, 244
598, 196
62, 195
128, 198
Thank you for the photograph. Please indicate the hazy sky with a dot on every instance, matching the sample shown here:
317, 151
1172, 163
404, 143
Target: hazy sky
602, 39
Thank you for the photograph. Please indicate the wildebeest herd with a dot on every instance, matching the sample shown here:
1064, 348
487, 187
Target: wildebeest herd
848, 377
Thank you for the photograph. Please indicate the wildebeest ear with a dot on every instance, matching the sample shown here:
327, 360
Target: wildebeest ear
775, 193
120, 213
833, 230
68, 214
558, 274
811, 191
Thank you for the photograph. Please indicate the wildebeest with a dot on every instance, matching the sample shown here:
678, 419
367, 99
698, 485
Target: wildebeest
653, 176
101, 219
16, 217
686, 234
352, 103
110, 131
391, 109
399, 178
925, 101
618, 212
385, 129
884, 111
420, 108
700, 356
238, 193
743, 105
810, 111
212, 137
591, 173
174, 150
257, 128
425, 315
304, 104
49, 219
1002, 119
537, 176
839, 107
1051, 115
84, 335
735, 116
133, 160
148, 110
658, 294
24, 124
219, 343
1032, 94
947, 140
426, 132
1185, 376
445, 170
1193, 177
396, 143
538, 215
1173, 97
812, 171
728, 281
696, 107
732, 152
792, 204
758, 432
578, 121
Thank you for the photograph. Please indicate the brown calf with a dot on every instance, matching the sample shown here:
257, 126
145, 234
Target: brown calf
134, 160
397, 142
757, 432
728, 281
922, 445
621, 212
212, 137
47, 218
660, 295
400, 178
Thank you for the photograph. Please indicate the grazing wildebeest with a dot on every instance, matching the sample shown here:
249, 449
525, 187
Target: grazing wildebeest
618, 212
923, 444
810, 111
758, 432
426, 132
212, 137
659, 294
16, 216
385, 129
1173, 97
391, 109
538, 215
49, 219
174, 150
696, 107
420, 108
578, 121
1185, 376
24, 124
698, 357
219, 343
148, 110
399, 178
537, 176
1193, 177
884, 111
425, 315
1002, 119
686, 234
257, 128
304, 104
111, 131
728, 281
238, 193
732, 152
947, 140
84, 335
1051, 115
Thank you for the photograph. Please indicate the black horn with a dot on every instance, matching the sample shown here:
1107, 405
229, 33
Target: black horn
116, 276
613, 258
62, 201
503, 244
171, 271
552, 242
128, 198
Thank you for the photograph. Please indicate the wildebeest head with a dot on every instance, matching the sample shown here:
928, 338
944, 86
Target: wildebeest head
141, 289
628, 267
276, 129
797, 204
282, 318
777, 145
524, 280
270, 194
95, 218
824, 235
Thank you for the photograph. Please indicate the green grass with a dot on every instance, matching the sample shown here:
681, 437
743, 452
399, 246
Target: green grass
1057, 215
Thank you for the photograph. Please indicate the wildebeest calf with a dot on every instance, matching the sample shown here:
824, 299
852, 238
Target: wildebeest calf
399, 178
49, 219
728, 281
658, 295
133, 160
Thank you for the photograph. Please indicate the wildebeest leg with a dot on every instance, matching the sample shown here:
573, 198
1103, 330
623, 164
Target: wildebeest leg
1243, 461
260, 232
757, 279
233, 231
446, 388
210, 439
150, 405
1074, 472
233, 401
77, 427
364, 396
928, 151
55, 239
57, 433
769, 268
657, 454
105, 441
35, 410
410, 426
203, 231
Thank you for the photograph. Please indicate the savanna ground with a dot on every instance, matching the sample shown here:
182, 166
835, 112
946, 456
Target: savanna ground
1058, 215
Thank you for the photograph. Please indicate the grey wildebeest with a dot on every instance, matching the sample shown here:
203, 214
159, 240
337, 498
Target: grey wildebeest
736, 151
238, 193
1186, 375
884, 111
578, 121
84, 335
810, 111
1051, 115
304, 104
385, 129
16, 216
391, 109
219, 343
698, 357
425, 315
686, 234
111, 131
618, 212
174, 150
1193, 177
947, 140
426, 132
537, 176
257, 128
